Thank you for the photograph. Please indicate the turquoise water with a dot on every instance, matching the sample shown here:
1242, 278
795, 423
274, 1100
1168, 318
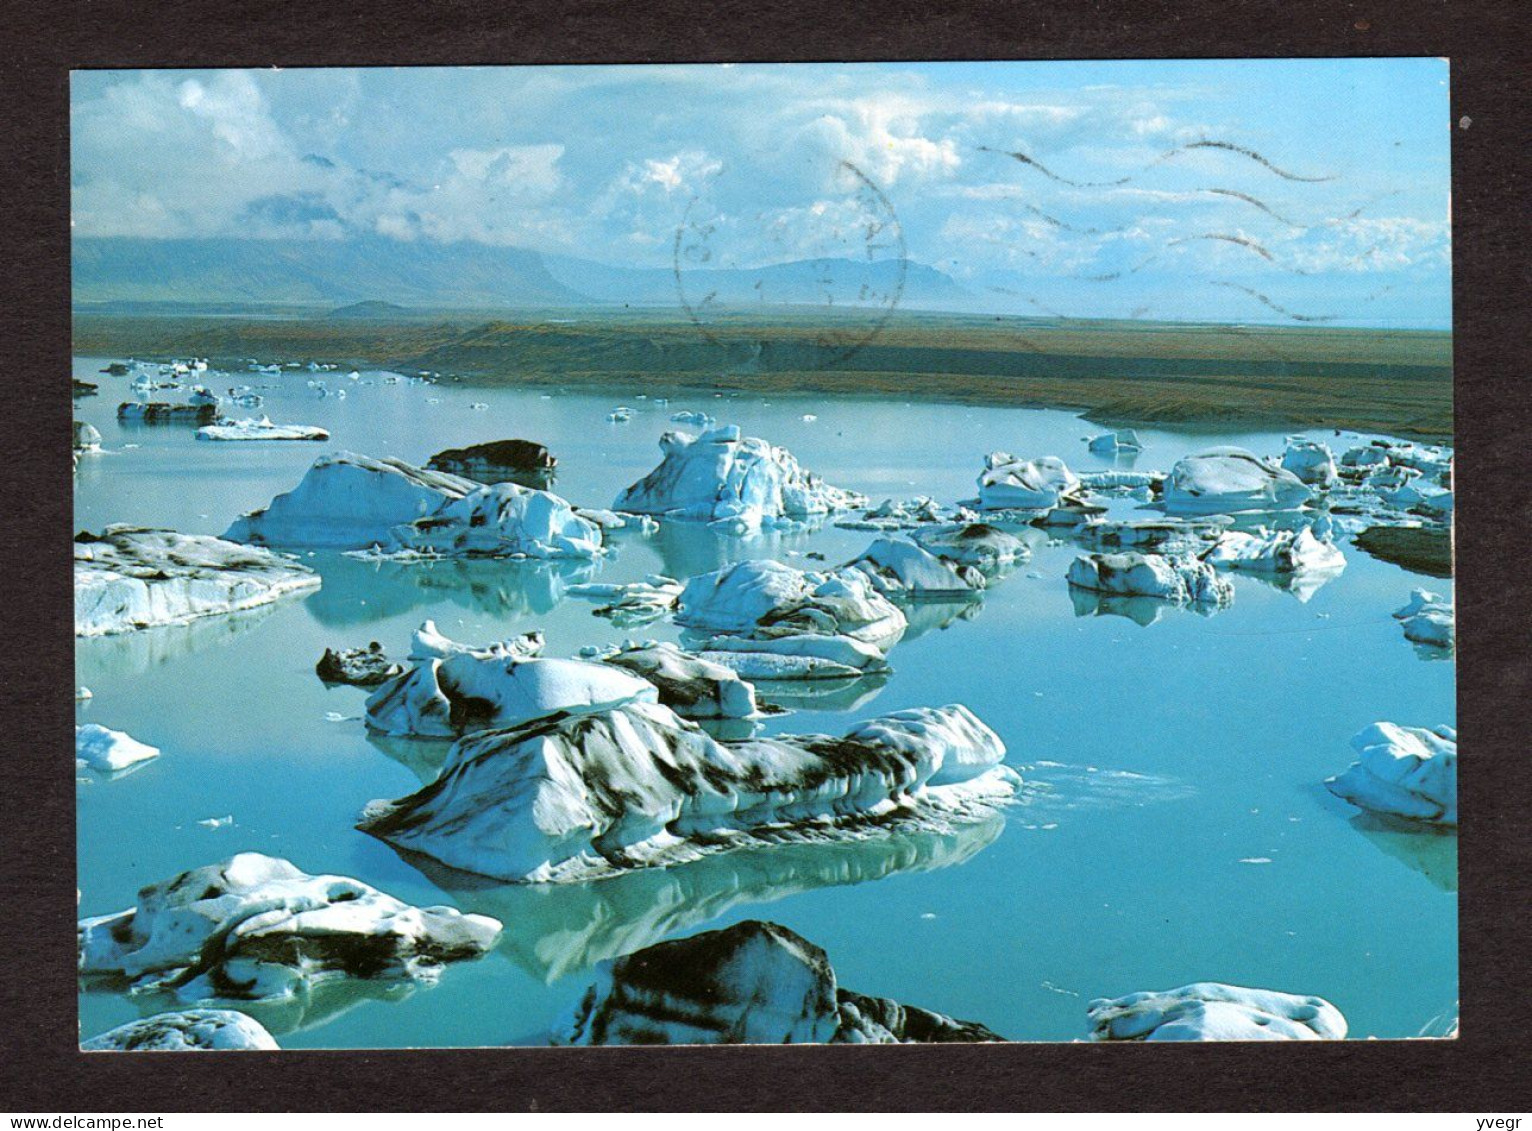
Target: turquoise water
1159, 759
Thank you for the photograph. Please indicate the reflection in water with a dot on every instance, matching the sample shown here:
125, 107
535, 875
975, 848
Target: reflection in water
133, 653
1302, 585
1140, 610
1433, 852
554, 930
1056, 787
688, 549
820, 694
359, 592
308, 1009
423, 757
933, 616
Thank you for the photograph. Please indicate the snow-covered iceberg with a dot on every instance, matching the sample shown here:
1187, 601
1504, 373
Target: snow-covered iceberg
1231, 481
1311, 461
505, 520
188, 1030
254, 928
1276, 552
689, 685
347, 501
1157, 535
978, 544
1428, 619
460, 689
575, 796
1403, 771
753, 983
739, 482
767, 599
129, 577
1179, 580
1212, 1011
898, 567
260, 428
108, 751
1009, 483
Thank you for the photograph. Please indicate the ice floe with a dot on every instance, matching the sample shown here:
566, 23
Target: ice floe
158, 412
1110, 443
260, 428
572, 797
453, 689
1130, 574
1231, 481
189, 1030
690, 686
632, 603
504, 520
978, 544
1159, 535
751, 983
1277, 552
1428, 619
768, 599
254, 927
363, 667
108, 751
1311, 461
737, 482
1009, 483
693, 418
1401, 771
906, 514
1212, 1011
129, 577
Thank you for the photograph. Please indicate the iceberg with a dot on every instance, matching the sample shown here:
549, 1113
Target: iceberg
1231, 481
1212, 1011
1311, 461
1110, 443
1408, 772
689, 685
1428, 619
576, 796
158, 412
1009, 483
1122, 481
795, 657
972, 544
260, 429
497, 461
201, 394
256, 928
766, 599
188, 1030
693, 418
1179, 580
362, 667
108, 751
755, 983
898, 567
741, 483
505, 520
1159, 535
129, 577
87, 438
1276, 552
458, 689
907, 514
349, 502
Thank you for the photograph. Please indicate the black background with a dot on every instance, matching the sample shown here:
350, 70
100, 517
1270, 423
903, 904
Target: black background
1485, 1070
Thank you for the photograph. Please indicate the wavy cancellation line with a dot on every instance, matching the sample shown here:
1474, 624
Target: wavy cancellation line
1225, 146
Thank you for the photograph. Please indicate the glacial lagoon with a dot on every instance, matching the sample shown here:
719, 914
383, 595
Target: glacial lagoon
1172, 826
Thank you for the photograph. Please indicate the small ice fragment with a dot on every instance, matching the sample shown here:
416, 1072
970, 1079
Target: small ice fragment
1255, 860
82, 693
809, 418
928, 915
337, 717
217, 822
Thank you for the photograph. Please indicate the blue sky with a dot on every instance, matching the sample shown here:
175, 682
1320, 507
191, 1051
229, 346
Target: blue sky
1120, 209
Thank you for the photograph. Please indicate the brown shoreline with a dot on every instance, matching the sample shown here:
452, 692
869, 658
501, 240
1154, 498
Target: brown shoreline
1116, 374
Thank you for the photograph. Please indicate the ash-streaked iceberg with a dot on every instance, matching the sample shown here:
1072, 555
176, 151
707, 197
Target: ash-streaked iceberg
499, 461
187, 1030
1231, 481
347, 501
898, 567
632, 603
738, 482
1277, 552
689, 685
1212, 1011
460, 689
1164, 536
1178, 580
1400, 771
755, 983
130, 577
576, 796
361, 667
978, 544
255, 928
1010, 483
504, 520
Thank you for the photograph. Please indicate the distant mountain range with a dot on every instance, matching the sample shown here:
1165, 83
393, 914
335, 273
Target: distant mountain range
380, 277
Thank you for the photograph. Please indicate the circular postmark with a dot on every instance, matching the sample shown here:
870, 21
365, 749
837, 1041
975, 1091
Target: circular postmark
843, 256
